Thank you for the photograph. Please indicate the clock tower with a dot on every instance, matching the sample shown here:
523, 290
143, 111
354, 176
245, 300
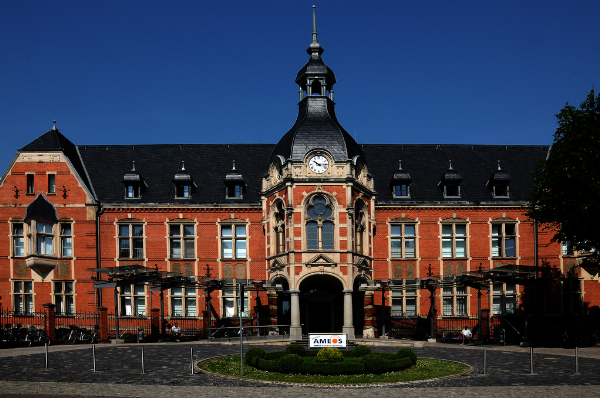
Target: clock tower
318, 213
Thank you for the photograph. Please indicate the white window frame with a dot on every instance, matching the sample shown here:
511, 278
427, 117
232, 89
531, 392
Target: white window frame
23, 295
231, 301
184, 302
403, 187
51, 183
404, 302
451, 247
44, 240
504, 298
501, 238
132, 300
64, 297
183, 239
18, 239
66, 239
401, 237
130, 238
234, 241
453, 185
455, 301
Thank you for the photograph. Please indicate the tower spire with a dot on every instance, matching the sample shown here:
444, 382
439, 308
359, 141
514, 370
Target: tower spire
315, 50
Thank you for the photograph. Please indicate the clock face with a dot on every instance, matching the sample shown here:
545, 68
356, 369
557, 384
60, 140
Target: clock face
318, 164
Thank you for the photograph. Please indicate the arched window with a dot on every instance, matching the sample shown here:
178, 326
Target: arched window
319, 225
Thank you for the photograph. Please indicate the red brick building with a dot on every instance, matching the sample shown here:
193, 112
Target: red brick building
351, 232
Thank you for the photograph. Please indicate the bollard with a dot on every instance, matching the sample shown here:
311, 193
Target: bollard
143, 367
531, 360
46, 353
484, 361
94, 357
192, 358
576, 360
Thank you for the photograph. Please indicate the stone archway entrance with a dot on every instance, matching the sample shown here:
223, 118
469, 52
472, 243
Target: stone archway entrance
322, 305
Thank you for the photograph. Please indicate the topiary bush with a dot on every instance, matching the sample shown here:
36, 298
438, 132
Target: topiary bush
407, 353
361, 351
253, 354
373, 363
330, 355
295, 349
290, 363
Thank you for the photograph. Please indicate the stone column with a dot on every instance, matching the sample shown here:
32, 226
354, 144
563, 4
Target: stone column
369, 328
348, 321
295, 328
50, 320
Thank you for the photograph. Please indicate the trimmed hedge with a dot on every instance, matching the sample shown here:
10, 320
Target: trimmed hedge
330, 355
253, 354
361, 351
407, 353
371, 363
295, 349
290, 363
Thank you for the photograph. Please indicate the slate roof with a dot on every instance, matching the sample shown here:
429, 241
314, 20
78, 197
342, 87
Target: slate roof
475, 163
207, 164
53, 140
41, 209
317, 127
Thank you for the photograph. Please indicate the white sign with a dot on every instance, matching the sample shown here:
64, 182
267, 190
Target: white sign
327, 340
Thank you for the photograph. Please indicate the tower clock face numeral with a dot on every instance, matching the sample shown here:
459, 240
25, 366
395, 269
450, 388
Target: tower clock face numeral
318, 164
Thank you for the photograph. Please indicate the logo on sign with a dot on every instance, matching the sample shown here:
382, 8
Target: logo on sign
327, 340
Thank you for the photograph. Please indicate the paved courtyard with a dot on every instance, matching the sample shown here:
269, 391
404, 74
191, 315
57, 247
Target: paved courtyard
168, 373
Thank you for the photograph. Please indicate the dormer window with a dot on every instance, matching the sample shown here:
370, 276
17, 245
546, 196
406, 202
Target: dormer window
234, 184
183, 183
498, 183
134, 184
400, 183
451, 183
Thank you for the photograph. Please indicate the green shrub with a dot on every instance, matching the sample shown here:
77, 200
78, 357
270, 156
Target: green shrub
275, 355
330, 355
407, 353
295, 349
290, 363
332, 369
253, 354
373, 363
265, 364
360, 351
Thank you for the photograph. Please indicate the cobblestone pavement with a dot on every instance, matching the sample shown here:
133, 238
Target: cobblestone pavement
168, 372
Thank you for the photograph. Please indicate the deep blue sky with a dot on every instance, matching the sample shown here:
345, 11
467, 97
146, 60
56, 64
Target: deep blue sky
151, 72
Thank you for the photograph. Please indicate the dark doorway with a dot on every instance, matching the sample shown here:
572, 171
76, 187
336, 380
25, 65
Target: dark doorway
321, 305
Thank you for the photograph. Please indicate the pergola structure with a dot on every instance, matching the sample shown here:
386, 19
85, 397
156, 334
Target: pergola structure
160, 281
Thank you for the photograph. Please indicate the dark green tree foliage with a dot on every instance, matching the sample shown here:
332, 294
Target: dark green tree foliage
253, 354
290, 363
566, 196
296, 349
407, 353
361, 351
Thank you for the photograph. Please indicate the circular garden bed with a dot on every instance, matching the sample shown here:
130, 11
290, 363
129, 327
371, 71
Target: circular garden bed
332, 366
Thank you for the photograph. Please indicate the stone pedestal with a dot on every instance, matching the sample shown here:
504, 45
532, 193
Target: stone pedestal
348, 327
295, 328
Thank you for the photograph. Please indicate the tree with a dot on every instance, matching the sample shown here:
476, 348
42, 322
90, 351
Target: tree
566, 195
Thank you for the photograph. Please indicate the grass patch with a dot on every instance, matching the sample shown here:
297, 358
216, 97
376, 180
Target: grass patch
425, 369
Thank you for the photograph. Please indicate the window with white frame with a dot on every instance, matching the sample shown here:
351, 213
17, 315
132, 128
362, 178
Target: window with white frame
402, 240
319, 227
231, 302
233, 241
30, 184
66, 240
63, 297
454, 301
503, 239
23, 297
45, 238
401, 190
183, 191
18, 239
183, 301
454, 240
504, 299
181, 239
133, 300
131, 241
404, 302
